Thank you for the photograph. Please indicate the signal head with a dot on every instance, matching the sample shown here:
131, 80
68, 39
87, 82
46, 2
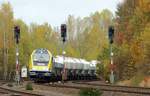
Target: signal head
17, 33
111, 34
63, 30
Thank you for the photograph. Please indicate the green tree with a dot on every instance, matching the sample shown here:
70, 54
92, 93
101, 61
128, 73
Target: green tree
7, 35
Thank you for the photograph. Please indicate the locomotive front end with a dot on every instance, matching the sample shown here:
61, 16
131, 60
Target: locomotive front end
40, 66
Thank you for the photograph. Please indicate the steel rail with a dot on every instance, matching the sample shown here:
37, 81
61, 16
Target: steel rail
20, 93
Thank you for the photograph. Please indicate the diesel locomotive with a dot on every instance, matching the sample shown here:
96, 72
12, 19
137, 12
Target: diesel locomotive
43, 66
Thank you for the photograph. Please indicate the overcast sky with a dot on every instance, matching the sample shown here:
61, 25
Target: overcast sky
56, 12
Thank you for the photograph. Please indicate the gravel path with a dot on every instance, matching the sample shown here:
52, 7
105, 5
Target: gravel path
56, 91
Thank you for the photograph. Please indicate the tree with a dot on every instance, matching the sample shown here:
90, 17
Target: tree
7, 26
132, 19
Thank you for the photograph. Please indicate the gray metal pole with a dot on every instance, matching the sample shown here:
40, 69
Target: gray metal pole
64, 68
4, 57
17, 65
111, 60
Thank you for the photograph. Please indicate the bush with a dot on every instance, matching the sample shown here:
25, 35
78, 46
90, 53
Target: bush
90, 92
29, 86
135, 81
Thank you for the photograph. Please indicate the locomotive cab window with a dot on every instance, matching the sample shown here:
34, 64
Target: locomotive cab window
41, 58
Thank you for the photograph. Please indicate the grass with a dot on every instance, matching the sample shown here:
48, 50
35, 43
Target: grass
136, 80
29, 86
90, 92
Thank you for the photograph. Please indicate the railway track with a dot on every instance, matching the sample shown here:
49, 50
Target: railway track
104, 87
117, 88
13, 92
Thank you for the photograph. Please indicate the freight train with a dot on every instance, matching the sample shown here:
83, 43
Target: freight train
43, 66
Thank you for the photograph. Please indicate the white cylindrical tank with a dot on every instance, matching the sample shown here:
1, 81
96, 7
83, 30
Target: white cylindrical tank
86, 64
58, 62
68, 62
93, 64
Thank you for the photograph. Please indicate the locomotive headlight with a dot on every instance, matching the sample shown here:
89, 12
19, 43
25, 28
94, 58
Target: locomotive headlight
47, 74
46, 69
32, 73
33, 68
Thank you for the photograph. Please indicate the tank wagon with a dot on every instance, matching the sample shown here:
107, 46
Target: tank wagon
43, 66
74, 68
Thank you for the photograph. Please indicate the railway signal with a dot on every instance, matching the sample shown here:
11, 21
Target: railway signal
17, 34
64, 36
63, 32
17, 37
111, 34
111, 37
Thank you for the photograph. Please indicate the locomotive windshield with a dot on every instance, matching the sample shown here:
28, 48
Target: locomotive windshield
41, 57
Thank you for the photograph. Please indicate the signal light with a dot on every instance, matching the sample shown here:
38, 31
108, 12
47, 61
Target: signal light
17, 33
63, 30
111, 34
64, 39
